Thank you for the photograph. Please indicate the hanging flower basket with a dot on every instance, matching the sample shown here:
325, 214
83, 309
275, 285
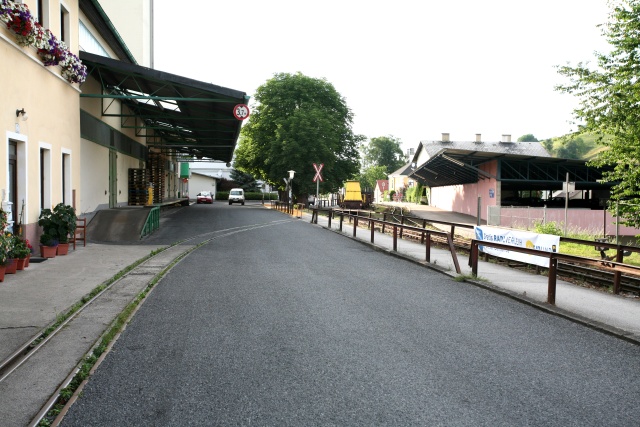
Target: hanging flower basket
28, 32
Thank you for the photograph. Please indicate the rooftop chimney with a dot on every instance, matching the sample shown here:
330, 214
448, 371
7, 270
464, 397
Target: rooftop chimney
506, 138
478, 137
445, 137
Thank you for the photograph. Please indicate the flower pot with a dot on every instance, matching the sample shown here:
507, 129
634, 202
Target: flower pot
2, 271
26, 261
48, 251
63, 248
12, 266
21, 262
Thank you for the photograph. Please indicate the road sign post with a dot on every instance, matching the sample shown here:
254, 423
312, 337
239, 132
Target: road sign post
317, 178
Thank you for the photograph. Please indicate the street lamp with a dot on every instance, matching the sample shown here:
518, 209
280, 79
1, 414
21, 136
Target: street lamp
291, 174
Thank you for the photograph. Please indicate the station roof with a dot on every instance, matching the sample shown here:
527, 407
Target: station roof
525, 164
186, 118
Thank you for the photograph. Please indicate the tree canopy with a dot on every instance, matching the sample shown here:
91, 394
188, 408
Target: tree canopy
298, 121
528, 138
384, 151
608, 104
246, 181
370, 175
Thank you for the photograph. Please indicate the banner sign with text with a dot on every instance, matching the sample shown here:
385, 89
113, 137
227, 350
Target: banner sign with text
523, 239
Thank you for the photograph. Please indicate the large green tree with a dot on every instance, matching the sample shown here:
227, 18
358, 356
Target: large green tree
384, 151
370, 175
246, 181
528, 138
299, 121
608, 104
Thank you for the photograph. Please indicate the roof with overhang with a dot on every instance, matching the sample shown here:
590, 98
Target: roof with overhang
187, 119
523, 165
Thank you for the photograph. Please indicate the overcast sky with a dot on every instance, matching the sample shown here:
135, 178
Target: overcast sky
408, 68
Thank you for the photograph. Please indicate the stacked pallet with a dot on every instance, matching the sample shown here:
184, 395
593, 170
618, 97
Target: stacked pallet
155, 168
138, 183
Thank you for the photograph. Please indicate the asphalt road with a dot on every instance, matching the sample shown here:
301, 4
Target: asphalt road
279, 322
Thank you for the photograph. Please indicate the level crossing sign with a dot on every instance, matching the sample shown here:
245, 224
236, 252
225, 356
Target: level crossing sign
318, 176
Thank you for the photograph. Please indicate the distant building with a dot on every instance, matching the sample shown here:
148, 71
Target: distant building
382, 185
399, 181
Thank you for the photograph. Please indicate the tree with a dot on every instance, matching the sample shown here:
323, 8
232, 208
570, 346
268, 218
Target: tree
298, 121
608, 105
548, 145
528, 138
246, 181
384, 151
370, 175
572, 149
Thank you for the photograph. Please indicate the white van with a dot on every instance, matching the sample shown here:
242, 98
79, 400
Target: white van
236, 195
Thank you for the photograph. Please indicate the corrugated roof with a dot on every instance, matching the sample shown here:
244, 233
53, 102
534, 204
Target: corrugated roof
531, 149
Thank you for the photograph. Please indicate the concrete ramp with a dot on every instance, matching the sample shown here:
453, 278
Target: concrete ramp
117, 225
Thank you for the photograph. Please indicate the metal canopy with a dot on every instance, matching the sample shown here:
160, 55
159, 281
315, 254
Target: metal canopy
454, 167
179, 116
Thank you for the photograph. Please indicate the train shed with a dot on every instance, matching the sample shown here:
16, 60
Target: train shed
503, 173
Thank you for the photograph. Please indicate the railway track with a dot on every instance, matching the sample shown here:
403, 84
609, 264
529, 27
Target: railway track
580, 275
107, 292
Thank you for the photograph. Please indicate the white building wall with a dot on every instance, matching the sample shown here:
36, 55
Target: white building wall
95, 174
198, 183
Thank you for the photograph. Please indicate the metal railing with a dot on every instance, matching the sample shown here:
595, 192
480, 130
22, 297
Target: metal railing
152, 223
616, 267
397, 230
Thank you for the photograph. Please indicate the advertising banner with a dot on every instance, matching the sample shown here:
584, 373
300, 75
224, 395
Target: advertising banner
519, 238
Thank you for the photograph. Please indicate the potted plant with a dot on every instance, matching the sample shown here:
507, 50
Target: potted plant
48, 246
19, 251
67, 225
59, 223
12, 261
4, 251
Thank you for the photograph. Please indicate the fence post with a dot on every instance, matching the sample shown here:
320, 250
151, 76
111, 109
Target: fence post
551, 288
372, 226
427, 253
341, 220
384, 220
355, 225
395, 238
330, 216
617, 275
474, 257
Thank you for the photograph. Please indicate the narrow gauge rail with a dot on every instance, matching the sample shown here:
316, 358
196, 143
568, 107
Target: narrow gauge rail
570, 272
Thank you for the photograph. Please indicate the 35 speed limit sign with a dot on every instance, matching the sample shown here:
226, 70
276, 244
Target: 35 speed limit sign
241, 111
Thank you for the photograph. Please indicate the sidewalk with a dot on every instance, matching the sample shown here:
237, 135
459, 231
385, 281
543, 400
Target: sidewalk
609, 313
31, 300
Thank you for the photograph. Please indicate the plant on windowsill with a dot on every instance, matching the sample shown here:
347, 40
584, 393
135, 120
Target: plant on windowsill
28, 32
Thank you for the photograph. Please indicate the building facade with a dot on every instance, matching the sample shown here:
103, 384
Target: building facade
84, 118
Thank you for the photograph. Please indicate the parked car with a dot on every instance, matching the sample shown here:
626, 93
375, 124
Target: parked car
204, 197
236, 195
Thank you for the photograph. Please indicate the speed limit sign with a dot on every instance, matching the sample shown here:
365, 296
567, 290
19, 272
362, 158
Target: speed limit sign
241, 111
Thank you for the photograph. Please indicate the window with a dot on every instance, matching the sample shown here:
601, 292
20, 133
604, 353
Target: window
66, 178
45, 176
89, 43
64, 25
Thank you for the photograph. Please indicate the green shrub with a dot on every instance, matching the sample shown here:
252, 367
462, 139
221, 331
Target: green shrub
548, 228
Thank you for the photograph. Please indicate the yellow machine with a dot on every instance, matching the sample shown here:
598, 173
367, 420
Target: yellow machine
352, 195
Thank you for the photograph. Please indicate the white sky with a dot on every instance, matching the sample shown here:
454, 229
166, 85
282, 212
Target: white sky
408, 68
